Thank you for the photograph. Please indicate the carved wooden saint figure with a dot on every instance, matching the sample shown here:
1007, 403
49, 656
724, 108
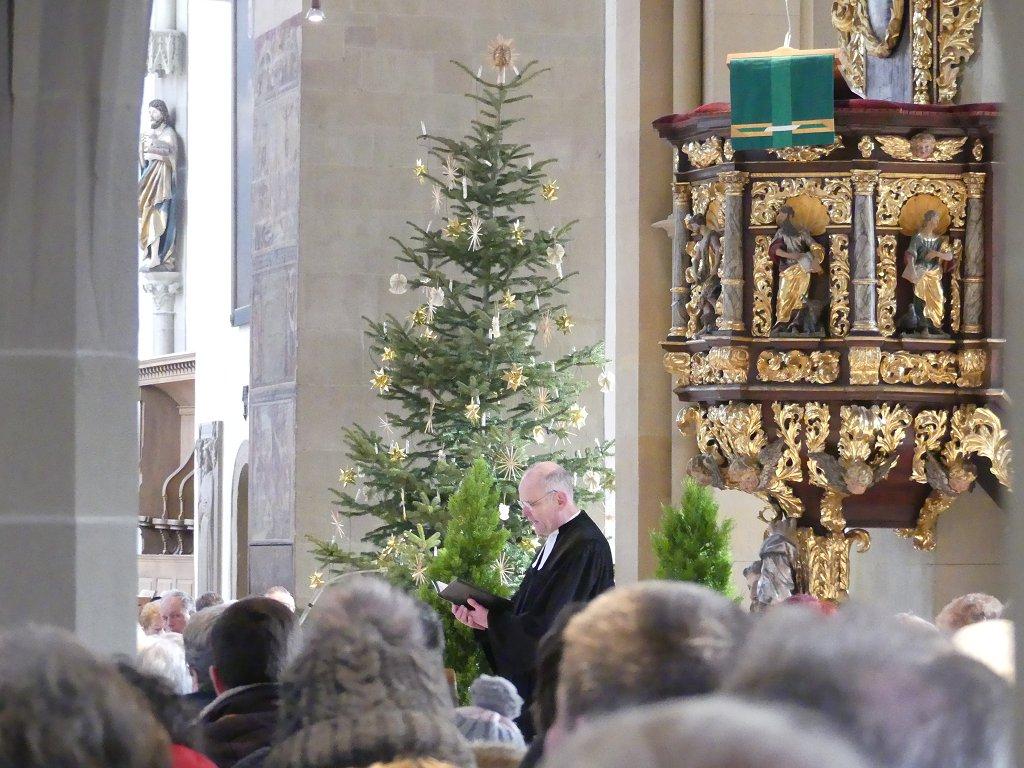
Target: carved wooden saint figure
926, 263
799, 257
158, 190
771, 578
706, 257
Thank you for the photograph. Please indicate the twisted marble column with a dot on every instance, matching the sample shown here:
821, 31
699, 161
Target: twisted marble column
974, 254
864, 307
681, 207
730, 317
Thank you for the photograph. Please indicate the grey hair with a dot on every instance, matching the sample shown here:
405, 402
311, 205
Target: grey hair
187, 601
644, 643
60, 705
708, 732
164, 656
560, 479
198, 652
897, 691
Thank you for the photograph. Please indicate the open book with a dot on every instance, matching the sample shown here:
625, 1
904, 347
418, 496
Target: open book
460, 593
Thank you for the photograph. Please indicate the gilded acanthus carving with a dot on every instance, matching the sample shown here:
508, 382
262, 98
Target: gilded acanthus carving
975, 184
895, 191
957, 22
825, 561
978, 150
864, 182
921, 51
972, 364
929, 431
734, 451
979, 431
721, 365
704, 153
839, 285
918, 368
707, 200
922, 148
887, 284
856, 37
767, 197
806, 154
764, 279
795, 366
956, 301
864, 365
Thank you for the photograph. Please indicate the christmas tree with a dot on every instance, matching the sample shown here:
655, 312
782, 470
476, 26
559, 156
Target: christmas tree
471, 372
475, 541
692, 545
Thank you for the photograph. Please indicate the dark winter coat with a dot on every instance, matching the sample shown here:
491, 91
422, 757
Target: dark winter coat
239, 722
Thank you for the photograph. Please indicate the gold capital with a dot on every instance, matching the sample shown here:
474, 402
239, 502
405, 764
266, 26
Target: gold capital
864, 182
734, 182
681, 192
975, 183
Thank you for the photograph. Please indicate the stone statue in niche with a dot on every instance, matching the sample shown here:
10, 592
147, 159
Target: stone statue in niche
926, 262
799, 257
705, 259
159, 192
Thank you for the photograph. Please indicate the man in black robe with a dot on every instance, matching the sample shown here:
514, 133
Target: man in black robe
573, 565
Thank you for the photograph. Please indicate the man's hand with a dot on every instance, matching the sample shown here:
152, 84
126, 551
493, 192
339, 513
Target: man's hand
474, 617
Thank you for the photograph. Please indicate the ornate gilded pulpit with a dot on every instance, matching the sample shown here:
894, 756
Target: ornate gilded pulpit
836, 332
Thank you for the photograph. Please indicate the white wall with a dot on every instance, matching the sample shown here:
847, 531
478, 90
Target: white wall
222, 351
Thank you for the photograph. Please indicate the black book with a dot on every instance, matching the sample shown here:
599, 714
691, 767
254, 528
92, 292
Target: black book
460, 592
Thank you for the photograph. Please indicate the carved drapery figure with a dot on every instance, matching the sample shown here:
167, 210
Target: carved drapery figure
772, 577
925, 264
158, 190
706, 258
799, 257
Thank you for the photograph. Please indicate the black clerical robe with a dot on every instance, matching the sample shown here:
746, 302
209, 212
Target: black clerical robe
578, 569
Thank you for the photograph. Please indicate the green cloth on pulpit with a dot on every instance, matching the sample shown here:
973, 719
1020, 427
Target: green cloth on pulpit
782, 101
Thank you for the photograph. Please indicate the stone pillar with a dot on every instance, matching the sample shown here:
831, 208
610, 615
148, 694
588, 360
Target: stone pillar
207, 537
974, 254
68, 315
164, 287
681, 202
731, 272
864, 307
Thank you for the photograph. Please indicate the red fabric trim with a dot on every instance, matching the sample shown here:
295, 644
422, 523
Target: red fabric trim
183, 757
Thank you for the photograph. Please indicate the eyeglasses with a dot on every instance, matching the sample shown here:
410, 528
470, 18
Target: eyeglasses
523, 505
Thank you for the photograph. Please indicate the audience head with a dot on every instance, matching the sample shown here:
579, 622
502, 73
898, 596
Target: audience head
707, 732
282, 595
365, 685
169, 709
990, 642
164, 656
198, 651
249, 643
549, 664
496, 704
546, 497
61, 706
150, 620
497, 695
208, 600
968, 609
645, 643
176, 608
898, 692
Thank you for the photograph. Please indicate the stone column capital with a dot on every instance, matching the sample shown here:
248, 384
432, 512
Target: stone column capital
163, 287
681, 192
734, 182
864, 182
975, 183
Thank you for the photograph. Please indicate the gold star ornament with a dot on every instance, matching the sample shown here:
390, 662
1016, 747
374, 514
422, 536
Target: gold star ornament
381, 381
577, 416
420, 316
316, 580
347, 476
387, 355
396, 454
550, 191
473, 412
420, 170
514, 377
508, 300
564, 322
454, 228
518, 233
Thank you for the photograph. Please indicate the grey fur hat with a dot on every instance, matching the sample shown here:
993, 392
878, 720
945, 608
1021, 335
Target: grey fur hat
367, 685
496, 694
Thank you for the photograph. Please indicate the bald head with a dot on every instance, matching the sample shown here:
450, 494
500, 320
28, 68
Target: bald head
546, 497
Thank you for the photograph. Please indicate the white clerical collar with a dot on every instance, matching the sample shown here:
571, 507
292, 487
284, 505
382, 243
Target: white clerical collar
549, 544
